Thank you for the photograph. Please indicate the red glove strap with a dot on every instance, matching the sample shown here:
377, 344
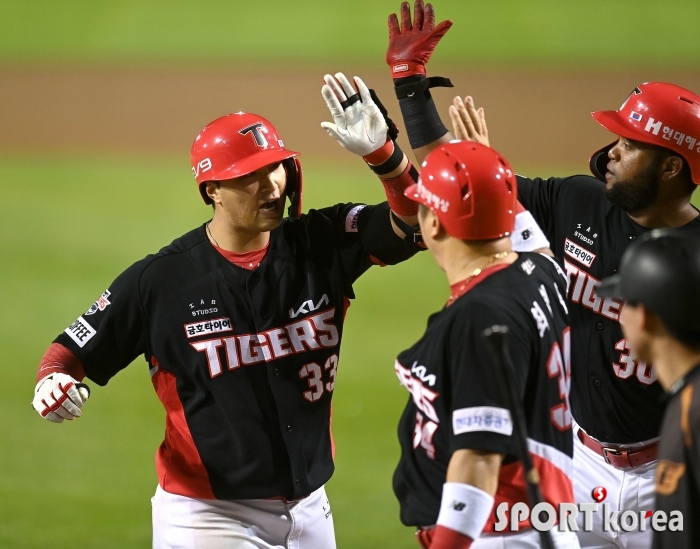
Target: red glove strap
59, 359
381, 155
404, 69
446, 538
394, 188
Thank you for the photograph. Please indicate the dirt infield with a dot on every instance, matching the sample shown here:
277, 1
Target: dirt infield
535, 118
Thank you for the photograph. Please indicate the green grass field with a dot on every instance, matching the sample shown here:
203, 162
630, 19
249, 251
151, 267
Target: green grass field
595, 33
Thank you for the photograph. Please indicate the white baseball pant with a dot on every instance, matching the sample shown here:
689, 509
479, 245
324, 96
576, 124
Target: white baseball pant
528, 539
627, 490
180, 522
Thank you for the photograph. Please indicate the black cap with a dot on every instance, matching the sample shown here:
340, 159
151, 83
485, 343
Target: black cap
661, 271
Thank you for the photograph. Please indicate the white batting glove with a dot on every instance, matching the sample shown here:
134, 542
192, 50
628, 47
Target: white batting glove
59, 396
360, 126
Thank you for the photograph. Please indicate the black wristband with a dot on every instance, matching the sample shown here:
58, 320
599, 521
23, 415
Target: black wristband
413, 234
420, 116
391, 163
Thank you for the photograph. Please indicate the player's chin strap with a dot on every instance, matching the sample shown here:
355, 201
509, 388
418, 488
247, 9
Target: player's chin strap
413, 234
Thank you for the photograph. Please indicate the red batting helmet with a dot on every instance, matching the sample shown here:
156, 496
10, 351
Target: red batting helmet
657, 113
241, 143
471, 188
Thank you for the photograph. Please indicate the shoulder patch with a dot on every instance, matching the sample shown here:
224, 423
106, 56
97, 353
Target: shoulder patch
80, 331
100, 305
482, 418
351, 219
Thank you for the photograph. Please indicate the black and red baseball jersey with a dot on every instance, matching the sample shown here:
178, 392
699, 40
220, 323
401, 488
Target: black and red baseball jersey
678, 472
456, 399
245, 362
614, 397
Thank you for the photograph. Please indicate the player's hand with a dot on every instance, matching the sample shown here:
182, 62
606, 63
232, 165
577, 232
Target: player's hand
357, 125
59, 396
411, 45
468, 122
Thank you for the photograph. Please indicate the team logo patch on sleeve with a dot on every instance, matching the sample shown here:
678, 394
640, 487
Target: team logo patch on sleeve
208, 327
80, 331
582, 255
482, 418
351, 219
99, 305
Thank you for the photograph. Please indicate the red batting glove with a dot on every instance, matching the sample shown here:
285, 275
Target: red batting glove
411, 46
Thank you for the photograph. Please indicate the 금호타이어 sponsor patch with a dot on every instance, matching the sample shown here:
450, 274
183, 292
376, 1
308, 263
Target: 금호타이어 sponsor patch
205, 327
580, 254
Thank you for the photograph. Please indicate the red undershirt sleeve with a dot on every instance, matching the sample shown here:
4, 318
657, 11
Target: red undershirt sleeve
59, 359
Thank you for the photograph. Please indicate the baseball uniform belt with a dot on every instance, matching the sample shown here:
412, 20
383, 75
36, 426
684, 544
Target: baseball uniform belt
285, 500
622, 459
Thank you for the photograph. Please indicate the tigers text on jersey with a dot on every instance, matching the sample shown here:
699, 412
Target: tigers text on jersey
614, 397
456, 401
244, 361
678, 471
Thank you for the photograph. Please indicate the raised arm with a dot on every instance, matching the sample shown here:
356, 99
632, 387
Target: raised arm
362, 126
410, 46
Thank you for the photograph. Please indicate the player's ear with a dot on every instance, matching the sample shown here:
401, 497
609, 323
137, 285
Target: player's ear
438, 231
671, 167
429, 222
212, 190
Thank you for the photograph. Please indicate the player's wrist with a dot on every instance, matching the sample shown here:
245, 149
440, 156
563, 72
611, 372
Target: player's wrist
446, 538
402, 69
60, 359
465, 509
395, 187
527, 235
421, 119
376, 160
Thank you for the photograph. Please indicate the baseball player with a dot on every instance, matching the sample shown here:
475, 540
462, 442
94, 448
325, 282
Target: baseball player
458, 464
643, 180
659, 280
240, 321
650, 173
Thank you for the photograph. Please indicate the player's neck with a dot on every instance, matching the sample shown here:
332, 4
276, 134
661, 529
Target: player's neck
460, 260
670, 213
236, 241
673, 360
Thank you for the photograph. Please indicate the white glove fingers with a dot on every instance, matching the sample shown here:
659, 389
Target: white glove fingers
61, 411
334, 106
67, 400
332, 101
364, 91
54, 418
347, 87
337, 90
